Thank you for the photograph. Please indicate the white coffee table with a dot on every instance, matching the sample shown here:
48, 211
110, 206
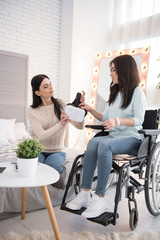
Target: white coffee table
44, 176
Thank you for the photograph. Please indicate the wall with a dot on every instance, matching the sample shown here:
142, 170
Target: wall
89, 31
95, 29
66, 50
33, 27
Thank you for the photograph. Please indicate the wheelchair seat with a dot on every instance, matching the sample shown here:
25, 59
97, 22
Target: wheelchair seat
146, 165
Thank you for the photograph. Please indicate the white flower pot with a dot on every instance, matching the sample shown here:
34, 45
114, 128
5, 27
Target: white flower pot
27, 167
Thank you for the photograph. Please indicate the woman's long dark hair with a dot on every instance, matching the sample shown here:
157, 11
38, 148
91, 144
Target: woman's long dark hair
35, 83
128, 79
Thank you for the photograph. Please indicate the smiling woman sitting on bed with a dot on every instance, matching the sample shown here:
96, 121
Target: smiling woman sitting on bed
48, 121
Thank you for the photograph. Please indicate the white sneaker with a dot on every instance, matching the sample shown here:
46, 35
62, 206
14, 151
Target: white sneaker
81, 200
97, 206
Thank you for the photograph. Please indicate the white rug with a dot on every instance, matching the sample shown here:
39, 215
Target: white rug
83, 236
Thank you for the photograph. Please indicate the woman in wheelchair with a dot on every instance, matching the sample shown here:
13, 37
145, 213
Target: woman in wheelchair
123, 117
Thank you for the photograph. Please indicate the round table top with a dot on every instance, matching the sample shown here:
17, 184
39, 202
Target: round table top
45, 175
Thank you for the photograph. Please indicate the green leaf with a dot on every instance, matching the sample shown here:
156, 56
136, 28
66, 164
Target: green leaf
29, 148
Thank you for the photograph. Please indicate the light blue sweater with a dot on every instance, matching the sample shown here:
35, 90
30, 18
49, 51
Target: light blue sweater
135, 110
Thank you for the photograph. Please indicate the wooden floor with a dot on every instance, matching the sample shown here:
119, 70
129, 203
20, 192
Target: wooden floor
68, 222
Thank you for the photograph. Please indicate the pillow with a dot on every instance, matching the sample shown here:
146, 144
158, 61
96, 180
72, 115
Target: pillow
8, 126
3, 138
20, 131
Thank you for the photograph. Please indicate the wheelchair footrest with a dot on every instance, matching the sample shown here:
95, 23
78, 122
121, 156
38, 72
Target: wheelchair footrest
79, 212
104, 219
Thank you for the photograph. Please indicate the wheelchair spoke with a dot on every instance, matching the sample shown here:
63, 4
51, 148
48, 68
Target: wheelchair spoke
156, 182
152, 183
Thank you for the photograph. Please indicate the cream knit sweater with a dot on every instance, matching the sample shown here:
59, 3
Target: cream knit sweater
47, 127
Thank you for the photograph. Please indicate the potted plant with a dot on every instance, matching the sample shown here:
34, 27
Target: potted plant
27, 156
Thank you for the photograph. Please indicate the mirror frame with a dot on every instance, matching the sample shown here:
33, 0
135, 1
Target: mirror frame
143, 51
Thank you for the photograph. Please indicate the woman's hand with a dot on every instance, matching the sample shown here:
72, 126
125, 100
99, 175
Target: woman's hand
64, 119
110, 123
82, 99
85, 106
88, 108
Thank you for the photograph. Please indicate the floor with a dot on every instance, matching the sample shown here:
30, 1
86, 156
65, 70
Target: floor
68, 222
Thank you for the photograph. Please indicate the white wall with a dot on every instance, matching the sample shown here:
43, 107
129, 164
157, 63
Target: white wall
89, 35
32, 28
66, 50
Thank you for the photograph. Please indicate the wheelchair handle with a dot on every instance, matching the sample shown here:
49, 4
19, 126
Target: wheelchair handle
97, 127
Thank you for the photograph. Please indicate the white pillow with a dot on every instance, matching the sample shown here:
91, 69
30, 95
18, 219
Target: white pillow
20, 131
8, 126
3, 138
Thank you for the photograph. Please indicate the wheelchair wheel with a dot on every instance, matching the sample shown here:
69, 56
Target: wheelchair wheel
152, 182
133, 219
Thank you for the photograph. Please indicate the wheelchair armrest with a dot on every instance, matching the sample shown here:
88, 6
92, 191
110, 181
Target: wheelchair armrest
152, 132
97, 127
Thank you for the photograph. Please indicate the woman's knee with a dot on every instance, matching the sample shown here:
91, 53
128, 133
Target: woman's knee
103, 147
41, 158
56, 160
92, 144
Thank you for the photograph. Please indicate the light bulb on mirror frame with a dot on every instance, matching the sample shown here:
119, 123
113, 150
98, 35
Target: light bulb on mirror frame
144, 67
94, 85
92, 101
133, 51
108, 54
120, 52
95, 70
90, 118
89, 134
146, 49
98, 55
142, 85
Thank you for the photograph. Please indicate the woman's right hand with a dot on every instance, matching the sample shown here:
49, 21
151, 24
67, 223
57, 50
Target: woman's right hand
96, 114
64, 119
85, 106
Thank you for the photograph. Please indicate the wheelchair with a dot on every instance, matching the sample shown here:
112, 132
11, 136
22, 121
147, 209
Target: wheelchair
146, 166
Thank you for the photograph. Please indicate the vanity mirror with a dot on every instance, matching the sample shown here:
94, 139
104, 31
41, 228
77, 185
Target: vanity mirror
101, 78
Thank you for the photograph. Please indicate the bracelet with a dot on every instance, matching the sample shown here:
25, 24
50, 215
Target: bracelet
118, 121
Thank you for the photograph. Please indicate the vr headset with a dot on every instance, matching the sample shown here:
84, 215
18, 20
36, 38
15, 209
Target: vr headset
73, 110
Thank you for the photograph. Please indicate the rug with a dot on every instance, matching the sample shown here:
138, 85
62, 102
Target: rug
83, 236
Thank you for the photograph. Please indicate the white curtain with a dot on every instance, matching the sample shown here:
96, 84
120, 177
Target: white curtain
136, 23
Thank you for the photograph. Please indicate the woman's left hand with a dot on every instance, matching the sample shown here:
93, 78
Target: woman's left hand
64, 119
82, 99
109, 124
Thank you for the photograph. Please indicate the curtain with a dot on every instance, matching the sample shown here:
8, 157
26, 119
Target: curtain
135, 23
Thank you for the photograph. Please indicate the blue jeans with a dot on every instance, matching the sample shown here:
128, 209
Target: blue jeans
99, 153
55, 160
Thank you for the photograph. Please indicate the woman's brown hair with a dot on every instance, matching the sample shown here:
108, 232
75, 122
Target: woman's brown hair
128, 79
35, 83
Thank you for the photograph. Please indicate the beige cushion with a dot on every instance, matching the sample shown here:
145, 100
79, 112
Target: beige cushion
122, 157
